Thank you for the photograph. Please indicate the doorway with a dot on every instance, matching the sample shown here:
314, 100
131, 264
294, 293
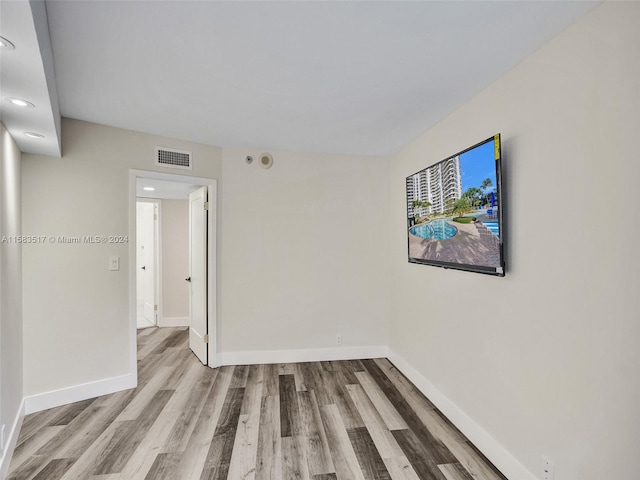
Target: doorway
168, 188
148, 254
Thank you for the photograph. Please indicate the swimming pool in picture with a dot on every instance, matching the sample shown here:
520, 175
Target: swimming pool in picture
494, 227
434, 230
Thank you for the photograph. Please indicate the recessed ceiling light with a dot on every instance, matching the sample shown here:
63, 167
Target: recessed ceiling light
4, 43
20, 102
149, 189
33, 135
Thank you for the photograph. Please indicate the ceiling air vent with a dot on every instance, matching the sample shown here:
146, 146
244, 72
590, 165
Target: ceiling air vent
171, 158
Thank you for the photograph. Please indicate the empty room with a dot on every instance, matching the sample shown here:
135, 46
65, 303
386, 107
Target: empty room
319, 240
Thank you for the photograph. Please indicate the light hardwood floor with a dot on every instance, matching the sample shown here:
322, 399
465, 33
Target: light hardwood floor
344, 420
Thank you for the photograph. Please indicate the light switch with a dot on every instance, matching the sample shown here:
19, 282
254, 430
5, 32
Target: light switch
114, 263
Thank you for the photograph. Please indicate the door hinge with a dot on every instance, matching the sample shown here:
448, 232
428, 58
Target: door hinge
206, 205
206, 338
155, 308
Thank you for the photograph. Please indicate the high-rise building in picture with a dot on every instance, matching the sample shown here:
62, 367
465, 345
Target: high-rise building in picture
440, 185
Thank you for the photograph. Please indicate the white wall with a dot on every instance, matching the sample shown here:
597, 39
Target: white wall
303, 252
175, 260
10, 294
76, 311
545, 360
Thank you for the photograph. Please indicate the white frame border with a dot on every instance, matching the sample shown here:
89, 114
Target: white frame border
212, 302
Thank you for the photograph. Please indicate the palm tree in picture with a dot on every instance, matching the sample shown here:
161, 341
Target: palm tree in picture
486, 183
474, 195
417, 205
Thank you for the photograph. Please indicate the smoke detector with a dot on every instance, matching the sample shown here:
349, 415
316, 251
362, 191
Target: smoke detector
266, 160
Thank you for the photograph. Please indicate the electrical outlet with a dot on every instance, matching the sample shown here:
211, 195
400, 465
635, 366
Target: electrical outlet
114, 264
338, 339
547, 468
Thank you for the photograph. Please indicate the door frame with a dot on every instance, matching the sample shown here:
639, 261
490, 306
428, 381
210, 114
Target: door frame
157, 280
212, 303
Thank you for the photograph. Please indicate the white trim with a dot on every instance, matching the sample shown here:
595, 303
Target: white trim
133, 293
212, 269
11, 442
306, 355
173, 322
212, 328
489, 446
158, 227
64, 396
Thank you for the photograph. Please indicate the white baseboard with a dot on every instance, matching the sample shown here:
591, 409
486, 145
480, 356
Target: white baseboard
64, 396
489, 446
11, 442
173, 322
307, 355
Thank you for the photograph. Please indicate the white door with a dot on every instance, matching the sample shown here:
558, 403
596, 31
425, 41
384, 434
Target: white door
146, 233
198, 273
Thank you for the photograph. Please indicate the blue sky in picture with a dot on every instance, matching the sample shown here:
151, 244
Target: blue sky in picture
476, 165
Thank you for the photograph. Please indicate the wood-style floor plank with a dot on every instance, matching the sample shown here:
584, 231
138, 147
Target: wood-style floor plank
389, 414
317, 446
344, 457
33, 443
84, 437
331, 420
371, 464
216, 465
271, 386
131, 433
164, 467
385, 442
436, 449
187, 403
339, 396
70, 412
196, 451
455, 471
289, 410
245, 448
54, 469
419, 455
269, 454
400, 468
294, 459
139, 403
170, 428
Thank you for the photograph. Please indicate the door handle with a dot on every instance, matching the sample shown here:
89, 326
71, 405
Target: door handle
144, 268
188, 279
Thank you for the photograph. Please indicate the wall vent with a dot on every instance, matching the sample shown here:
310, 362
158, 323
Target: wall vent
171, 158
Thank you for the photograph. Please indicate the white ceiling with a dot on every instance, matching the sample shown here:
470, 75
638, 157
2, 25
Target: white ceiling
360, 78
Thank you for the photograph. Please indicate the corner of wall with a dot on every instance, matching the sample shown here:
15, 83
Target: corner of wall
489, 446
11, 442
11, 318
